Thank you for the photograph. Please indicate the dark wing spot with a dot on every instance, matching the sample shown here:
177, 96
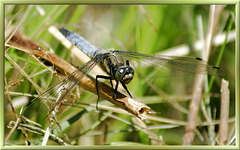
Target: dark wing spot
197, 58
219, 71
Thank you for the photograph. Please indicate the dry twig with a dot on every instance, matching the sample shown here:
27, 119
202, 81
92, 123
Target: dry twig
223, 130
194, 105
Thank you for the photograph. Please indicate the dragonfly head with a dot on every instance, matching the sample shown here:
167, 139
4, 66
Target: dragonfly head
124, 73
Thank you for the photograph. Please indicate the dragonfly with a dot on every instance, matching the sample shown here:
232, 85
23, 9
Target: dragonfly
117, 65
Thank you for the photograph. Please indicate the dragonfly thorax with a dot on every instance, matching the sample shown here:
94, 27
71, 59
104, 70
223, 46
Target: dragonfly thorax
124, 74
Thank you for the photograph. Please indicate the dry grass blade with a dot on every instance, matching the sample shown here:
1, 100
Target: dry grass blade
223, 130
39, 131
194, 105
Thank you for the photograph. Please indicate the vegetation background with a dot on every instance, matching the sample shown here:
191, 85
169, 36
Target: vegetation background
148, 29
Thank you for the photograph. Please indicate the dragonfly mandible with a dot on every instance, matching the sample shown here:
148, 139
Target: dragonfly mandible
117, 65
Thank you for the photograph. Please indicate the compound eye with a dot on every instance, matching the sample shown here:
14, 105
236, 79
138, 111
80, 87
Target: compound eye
121, 71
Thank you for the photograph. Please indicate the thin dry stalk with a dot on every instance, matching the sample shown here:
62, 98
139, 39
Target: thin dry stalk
209, 121
16, 115
23, 73
155, 140
223, 129
193, 112
194, 105
38, 131
148, 18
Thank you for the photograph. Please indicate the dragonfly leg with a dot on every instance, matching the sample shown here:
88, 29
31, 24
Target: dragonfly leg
102, 77
114, 94
125, 87
115, 90
111, 83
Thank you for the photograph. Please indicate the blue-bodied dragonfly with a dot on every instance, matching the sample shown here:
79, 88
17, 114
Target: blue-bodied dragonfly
117, 65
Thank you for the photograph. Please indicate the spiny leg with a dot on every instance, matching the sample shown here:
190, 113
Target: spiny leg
115, 90
111, 83
125, 87
114, 94
102, 77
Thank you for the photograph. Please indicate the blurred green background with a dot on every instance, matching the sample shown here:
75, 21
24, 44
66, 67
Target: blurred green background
148, 29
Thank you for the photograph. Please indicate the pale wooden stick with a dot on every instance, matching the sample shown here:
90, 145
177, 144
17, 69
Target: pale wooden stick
215, 11
223, 129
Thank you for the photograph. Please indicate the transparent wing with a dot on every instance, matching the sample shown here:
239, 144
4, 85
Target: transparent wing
62, 89
184, 63
179, 63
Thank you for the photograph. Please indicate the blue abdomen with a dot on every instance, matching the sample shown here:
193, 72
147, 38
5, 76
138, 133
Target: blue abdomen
80, 42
